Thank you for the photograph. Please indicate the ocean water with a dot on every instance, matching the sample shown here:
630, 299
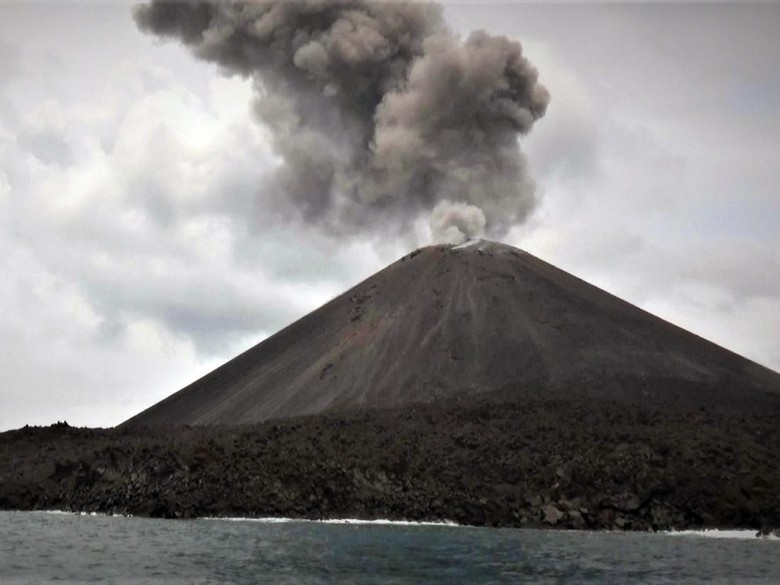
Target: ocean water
64, 548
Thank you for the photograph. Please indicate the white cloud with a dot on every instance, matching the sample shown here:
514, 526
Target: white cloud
136, 253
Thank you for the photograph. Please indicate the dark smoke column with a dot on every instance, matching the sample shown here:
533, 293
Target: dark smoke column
378, 112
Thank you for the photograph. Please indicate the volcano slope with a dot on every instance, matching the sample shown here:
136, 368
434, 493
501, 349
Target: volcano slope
454, 323
473, 383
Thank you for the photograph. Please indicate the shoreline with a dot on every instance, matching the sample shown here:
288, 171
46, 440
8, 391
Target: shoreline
563, 465
711, 533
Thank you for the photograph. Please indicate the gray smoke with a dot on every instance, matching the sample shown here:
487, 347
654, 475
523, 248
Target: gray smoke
454, 223
379, 113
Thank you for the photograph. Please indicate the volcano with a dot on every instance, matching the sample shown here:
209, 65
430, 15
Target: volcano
458, 323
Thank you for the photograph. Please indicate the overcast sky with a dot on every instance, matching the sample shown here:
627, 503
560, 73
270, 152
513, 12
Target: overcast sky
134, 257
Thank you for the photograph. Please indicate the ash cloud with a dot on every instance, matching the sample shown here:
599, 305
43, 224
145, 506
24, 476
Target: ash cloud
379, 113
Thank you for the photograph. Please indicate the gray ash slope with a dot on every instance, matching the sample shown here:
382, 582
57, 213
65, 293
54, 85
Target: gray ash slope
461, 323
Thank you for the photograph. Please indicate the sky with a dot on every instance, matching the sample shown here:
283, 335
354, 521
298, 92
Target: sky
135, 256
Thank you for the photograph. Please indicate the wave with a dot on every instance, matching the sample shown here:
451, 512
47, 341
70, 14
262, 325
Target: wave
357, 521
732, 534
76, 513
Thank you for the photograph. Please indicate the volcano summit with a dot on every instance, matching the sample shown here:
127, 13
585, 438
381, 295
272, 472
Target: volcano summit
457, 323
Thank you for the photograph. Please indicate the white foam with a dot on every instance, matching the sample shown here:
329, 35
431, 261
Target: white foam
67, 513
71, 513
269, 520
741, 534
732, 534
383, 521
356, 521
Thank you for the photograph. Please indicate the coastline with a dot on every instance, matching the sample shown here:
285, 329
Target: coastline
714, 533
563, 465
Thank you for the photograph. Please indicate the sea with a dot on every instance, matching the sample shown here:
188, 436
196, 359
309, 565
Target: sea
65, 548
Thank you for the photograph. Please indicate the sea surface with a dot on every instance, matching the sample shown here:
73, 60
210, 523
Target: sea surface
65, 548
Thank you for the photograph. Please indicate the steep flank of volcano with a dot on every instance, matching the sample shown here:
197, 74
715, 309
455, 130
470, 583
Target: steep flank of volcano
454, 323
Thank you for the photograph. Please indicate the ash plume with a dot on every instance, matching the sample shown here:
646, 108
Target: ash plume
454, 223
378, 112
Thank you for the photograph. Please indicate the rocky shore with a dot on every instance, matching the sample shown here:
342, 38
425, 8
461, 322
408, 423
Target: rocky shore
495, 463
